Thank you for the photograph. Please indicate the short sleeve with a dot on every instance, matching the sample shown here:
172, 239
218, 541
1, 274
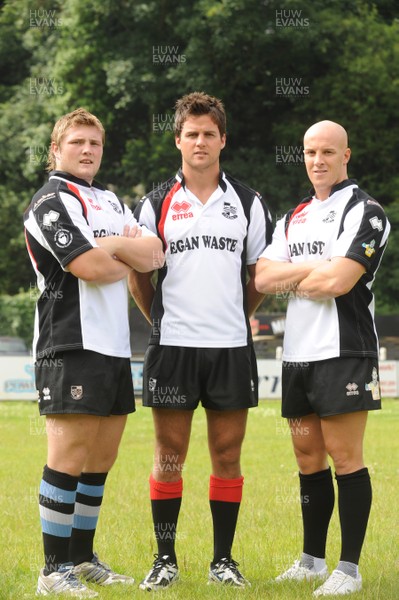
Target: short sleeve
278, 249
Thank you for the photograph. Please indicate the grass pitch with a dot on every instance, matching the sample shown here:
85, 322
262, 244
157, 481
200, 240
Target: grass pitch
268, 537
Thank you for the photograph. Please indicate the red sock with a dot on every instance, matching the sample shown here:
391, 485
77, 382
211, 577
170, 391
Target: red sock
165, 503
160, 490
225, 490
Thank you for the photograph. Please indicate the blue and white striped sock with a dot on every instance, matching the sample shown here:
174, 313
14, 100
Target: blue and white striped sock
89, 497
56, 504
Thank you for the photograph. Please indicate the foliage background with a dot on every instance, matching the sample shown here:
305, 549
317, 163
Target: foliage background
279, 67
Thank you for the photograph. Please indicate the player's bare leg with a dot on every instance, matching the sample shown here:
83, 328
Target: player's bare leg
70, 441
172, 436
343, 436
226, 431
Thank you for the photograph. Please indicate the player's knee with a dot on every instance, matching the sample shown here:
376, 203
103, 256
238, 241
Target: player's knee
346, 461
311, 462
227, 457
169, 459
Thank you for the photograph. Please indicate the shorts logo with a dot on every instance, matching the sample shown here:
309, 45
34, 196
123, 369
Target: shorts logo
76, 392
374, 385
50, 218
352, 389
369, 248
46, 394
152, 384
376, 223
330, 217
229, 211
63, 238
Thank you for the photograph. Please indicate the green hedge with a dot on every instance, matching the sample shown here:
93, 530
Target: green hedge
17, 315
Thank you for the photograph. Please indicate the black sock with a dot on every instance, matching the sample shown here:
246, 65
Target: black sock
56, 502
224, 516
354, 502
89, 496
317, 503
225, 497
165, 514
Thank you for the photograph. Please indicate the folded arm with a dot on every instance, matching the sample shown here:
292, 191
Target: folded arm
332, 279
97, 266
141, 253
273, 276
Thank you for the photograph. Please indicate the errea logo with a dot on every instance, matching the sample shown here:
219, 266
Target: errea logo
352, 389
182, 209
181, 206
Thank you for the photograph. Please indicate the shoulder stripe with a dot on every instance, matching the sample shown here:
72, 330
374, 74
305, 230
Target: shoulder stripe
292, 213
76, 191
164, 211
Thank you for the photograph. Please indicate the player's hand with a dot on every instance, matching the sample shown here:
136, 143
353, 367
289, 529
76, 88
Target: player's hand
132, 232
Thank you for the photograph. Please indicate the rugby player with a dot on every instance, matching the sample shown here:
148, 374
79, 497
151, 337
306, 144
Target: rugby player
81, 346
324, 257
213, 229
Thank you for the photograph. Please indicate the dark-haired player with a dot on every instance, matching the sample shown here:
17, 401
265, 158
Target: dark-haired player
213, 229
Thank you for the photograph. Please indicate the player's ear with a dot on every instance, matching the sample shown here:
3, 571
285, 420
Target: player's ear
177, 141
347, 156
55, 149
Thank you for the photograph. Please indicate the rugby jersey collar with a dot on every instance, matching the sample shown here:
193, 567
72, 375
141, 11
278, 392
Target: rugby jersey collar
335, 188
73, 179
222, 182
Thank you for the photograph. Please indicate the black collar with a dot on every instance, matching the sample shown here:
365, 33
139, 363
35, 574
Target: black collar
65, 175
335, 188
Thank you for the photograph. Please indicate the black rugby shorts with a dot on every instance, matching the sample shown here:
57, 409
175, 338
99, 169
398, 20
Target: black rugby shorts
330, 387
84, 382
179, 378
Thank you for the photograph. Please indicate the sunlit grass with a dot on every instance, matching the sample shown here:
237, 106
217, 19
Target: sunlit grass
268, 537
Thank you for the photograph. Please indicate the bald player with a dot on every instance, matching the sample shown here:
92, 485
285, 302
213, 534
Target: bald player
323, 258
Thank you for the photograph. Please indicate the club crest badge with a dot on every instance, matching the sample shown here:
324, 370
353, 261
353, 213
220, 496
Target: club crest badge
229, 211
330, 217
76, 392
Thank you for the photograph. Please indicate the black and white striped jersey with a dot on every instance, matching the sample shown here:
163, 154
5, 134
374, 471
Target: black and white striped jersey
351, 224
200, 299
63, 221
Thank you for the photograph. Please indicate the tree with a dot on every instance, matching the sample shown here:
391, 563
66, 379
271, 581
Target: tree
277, 70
